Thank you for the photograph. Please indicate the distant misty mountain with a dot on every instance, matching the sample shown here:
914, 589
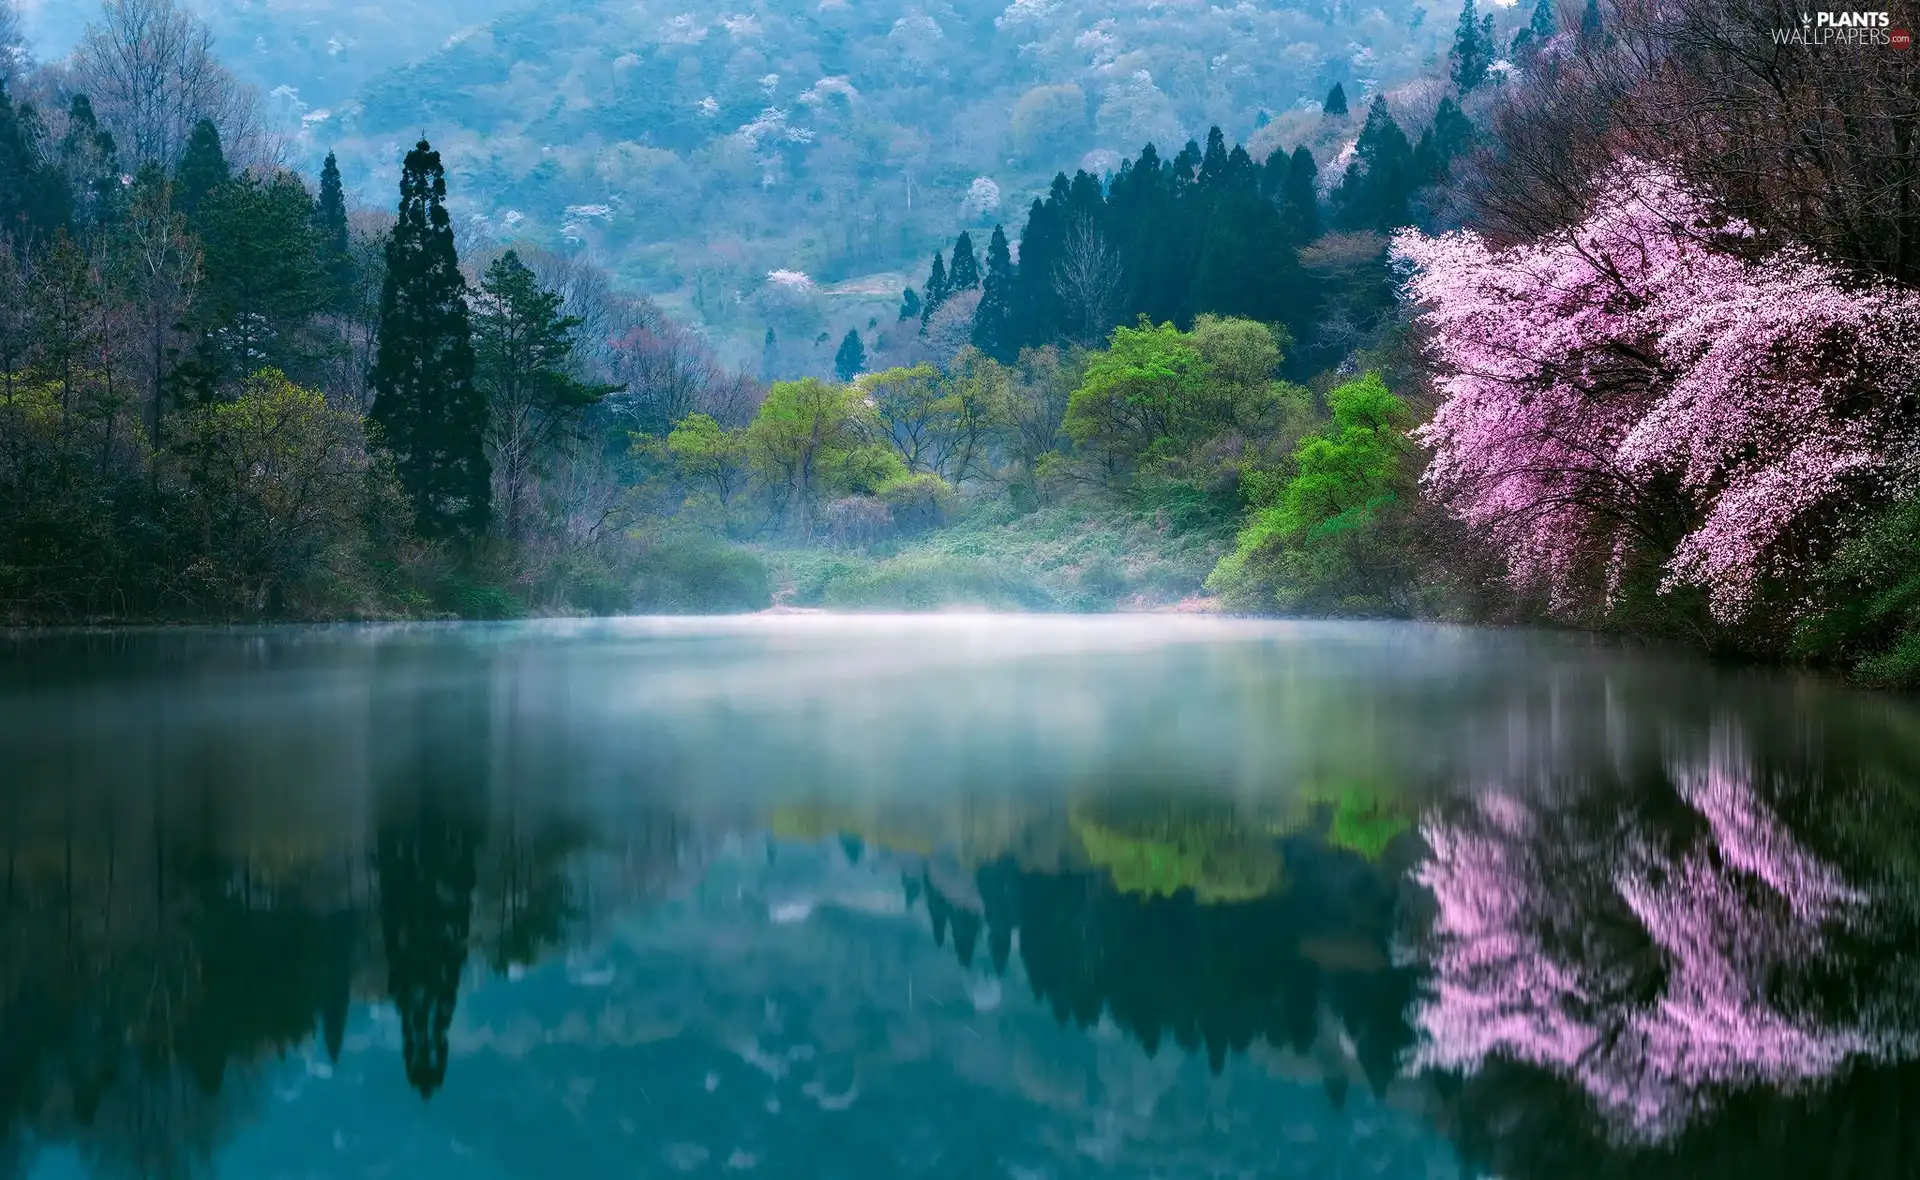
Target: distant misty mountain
694, 148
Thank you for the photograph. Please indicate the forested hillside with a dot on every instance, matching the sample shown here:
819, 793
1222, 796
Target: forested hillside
1507, 341
693, 150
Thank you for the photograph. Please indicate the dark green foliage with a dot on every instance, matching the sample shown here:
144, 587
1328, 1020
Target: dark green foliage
995, 331
693, 576
909, 304
203, 169
427, 410
769, 356
1299, 195
1540, 28
1591, 24
1336, 101
964, 274
937, 288
261, 279
1319, 543
91, 163
426, 858
851, 357
523, 364
34, 198
330, 227
1871, 620
1373, 194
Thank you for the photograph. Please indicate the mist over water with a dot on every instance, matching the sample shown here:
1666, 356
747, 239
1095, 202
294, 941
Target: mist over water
950, 896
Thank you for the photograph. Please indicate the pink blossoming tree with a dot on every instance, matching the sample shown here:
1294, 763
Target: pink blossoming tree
1656, 381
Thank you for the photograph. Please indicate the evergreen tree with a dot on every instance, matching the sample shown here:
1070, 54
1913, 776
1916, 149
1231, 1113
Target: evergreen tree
851, 359
1373, 193
1471, 53
1213, 161
1300, 196
1336, 103
964, 274
91, 162
936, 289
523, 362
330, 222
1590, 23
994, 330
426, 408
1245, 265
1545, 22
1035, 312
769, 356
909, 304
34, 197
260, 281
203, 168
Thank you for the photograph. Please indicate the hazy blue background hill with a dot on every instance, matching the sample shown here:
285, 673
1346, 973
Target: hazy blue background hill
693, 149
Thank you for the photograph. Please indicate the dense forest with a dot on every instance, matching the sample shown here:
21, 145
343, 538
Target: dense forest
1503, 342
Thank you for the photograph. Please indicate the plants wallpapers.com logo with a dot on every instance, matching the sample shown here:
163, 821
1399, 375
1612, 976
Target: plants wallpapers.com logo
1864, 29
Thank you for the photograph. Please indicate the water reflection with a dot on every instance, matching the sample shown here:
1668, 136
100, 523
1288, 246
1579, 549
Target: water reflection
1062, 901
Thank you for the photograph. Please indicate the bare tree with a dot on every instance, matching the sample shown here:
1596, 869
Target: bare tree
1087, 278
163, 262
13, 45
150, 69
1820, 143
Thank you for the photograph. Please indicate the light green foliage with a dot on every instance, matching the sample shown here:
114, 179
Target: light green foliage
1871, 621
931, 581
275, 484
1158, 849
712, 462
1124, 412
692, 575
1317, 541
812, 442
1159, 403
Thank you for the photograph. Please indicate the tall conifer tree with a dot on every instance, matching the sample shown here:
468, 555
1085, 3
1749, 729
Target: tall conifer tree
330, 220
994, 330
1373, 193
203, 169
1300, 196
426, 409
851, 359
936, 289
1471, 53
964, 273
1336, 103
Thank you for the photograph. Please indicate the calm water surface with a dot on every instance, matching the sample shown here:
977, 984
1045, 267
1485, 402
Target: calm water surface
949, 897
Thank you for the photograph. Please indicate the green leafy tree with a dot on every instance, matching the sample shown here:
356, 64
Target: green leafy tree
203, 169
1869, 620
1336, 101
524, 364
1130, 398
994, 331
713, 464
814, 441
426, 408
274, 493
1321, 543
851, 357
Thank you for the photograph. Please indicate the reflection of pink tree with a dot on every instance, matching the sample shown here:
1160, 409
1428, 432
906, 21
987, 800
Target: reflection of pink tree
1644, 971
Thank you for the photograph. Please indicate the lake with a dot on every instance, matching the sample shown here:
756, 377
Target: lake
949, 896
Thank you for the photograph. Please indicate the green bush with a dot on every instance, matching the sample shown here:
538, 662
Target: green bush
926, 581
1871, 622
692, 575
